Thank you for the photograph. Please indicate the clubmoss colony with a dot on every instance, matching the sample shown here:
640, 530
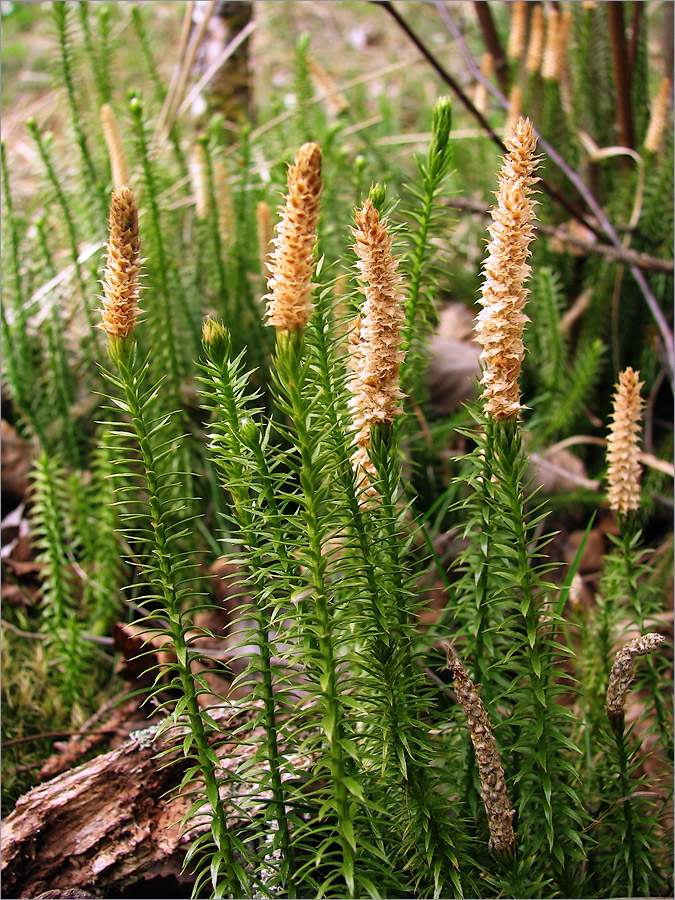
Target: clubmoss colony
489, 755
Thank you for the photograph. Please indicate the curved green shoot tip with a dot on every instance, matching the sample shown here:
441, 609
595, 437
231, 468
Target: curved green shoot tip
216, 124
59, 12
378, 195
442, 117
216, 338
441, 125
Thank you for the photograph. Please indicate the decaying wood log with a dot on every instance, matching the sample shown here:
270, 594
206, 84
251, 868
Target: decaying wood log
105, 822
108, 822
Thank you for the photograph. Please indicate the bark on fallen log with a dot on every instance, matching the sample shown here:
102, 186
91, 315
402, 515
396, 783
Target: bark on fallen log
104, 823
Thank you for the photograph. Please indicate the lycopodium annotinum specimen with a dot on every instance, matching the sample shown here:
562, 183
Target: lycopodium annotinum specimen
623, 494
623, 451
292, 262
289, 309
622, 674
490, 769
500, 324
164, 568
506, 577
375, 340
120, 285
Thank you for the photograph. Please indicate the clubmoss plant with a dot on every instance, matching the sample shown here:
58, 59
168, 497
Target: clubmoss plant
165, 568
97, 64
623, 472
159, 88
60, 613
637, 874
18, 354
334, 738
68, 220
623, 479
61, 13
426, 214
168, 317
210, 207
289, 308
657, 122
292, 263
500, 324
506, 589
622, 674
237, 446
535, 45
492, 778
376, 356
517, 31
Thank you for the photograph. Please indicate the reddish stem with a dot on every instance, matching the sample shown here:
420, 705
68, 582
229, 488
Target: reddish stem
622, 75
492, 43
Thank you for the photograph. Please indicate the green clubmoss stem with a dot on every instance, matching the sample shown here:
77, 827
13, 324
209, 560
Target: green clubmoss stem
17, 363
291, 373
61, 12
163, 266
215, 229
227, 433
72, 238
420, 313
629, 548
131, 373
158, 85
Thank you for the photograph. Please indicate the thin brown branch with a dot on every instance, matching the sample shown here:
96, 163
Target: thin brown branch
53, 734
93, 638
668, 352
492, 42
637, 24
631, 257
624, 109
494, 137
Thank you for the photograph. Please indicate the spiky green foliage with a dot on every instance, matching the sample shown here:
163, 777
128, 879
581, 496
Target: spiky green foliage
61, 13
624, 819
238, 446
97, 47
567, 384
67, 215
343, 760
158, 86
626, 599
155, 523
60, 616
163, 265
426, 211
359, 586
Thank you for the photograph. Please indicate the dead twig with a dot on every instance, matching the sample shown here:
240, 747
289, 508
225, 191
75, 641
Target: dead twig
630, 257
477, 114
622, 75
577, 181
492, 42
54, 734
